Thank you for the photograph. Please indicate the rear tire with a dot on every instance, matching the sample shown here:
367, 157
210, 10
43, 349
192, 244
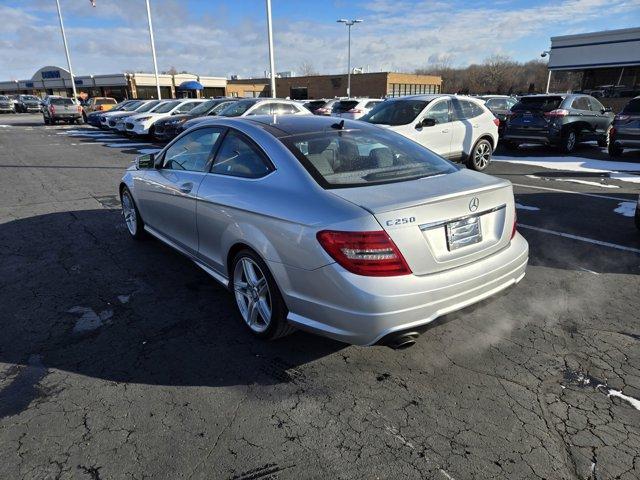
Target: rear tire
480, 156
46, 120
604, 141
257, 296
569, 141
131, 216
79, 121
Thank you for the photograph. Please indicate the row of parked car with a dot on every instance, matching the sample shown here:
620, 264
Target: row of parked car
459, 128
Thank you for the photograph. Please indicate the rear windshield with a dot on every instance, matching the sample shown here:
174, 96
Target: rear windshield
315, 104
167, 107
395, 112
353, 158
344, 106
131, 106
106, 101
537, 104
633, 107
61, 101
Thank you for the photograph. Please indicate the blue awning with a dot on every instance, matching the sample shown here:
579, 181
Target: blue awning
191, 85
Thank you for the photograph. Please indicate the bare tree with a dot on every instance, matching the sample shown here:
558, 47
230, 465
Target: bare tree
306, 68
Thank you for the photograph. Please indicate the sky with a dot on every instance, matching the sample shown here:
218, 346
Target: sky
229, 37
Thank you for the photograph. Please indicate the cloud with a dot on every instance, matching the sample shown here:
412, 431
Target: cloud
218, 40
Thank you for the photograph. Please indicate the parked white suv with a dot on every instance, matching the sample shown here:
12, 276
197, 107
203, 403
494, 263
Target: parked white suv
456, 127
354, 108
264, 106
142, 124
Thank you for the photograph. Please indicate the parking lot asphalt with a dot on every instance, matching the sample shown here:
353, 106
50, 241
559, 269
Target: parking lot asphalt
123, 360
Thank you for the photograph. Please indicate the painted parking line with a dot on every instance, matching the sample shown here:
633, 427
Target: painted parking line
580, 238
594, 195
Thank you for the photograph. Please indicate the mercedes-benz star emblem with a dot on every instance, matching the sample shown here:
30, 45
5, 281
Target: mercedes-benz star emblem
474, 204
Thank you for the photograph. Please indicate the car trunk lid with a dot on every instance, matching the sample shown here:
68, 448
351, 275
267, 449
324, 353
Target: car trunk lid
441, 222
531, 113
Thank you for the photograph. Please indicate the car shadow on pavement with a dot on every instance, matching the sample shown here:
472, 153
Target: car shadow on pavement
79, 295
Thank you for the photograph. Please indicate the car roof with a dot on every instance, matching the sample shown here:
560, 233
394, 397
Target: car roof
285, 125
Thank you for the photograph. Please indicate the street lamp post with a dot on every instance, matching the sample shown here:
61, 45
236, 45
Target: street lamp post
153, 50
349, 24
272, 63
66, 51
544, 54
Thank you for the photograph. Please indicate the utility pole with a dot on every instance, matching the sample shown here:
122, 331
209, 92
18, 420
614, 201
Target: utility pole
349, 24
153, 50
272, 63
66, 51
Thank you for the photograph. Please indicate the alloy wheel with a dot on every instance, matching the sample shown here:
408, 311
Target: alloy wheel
252, 294
571, 141
482, 155
129, 213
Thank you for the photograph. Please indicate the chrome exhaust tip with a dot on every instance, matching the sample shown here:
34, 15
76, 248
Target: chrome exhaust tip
401, 340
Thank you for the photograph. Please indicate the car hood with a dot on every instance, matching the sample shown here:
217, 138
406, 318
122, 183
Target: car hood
176, 117
137, 116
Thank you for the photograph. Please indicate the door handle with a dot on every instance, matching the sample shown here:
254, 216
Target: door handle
186, 187
446, 130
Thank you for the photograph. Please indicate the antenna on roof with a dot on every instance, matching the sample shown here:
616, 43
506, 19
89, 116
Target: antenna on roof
339, 125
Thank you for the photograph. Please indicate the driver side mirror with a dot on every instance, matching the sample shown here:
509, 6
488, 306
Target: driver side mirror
426, 122
606, 110
146, 162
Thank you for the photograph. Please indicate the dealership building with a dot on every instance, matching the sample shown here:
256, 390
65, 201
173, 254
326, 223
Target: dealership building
52, 80
609, 61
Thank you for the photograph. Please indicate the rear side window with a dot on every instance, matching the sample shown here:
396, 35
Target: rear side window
633, 107
581, 103
465, 109
344, 106
537, 104
240, 157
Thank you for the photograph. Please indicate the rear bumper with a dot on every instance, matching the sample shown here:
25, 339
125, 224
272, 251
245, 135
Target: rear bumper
623, 139
362, 310
526, 137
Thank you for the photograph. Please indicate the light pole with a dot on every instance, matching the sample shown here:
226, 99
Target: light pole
66, 51
544, 54
272, 63
349, 24
153, 50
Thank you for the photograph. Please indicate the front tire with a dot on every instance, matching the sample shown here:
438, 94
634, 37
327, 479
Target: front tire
258, 297
569, 141
131, 216
480, 156
79, 121
615, 150
46, 120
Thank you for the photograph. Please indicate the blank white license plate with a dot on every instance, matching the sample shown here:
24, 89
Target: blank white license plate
463, 232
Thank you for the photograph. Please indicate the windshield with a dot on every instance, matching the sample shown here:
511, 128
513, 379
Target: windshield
220, 107
633, 107
539, 104
344, 106
353, 158
167, 107
203, 108
148, 106
131, 106
237, 108
31, 98
395, 112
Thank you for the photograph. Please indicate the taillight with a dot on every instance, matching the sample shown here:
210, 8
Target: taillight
99, 107
52, 109
371, 254
558, 112
621, 117
354, 110
496, 121
612, 132
79, 109
515, 223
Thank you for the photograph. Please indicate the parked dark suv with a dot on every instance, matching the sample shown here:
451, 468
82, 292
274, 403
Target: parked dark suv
625, 131
170, 127
561, 120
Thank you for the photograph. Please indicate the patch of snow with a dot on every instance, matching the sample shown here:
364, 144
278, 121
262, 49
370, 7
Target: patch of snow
5, 126
89, 320
585, 182
628, 209
634, 402
618, 170
519, 206
125, 144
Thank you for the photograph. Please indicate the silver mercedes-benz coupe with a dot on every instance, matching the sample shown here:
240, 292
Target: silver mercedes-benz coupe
333, 226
